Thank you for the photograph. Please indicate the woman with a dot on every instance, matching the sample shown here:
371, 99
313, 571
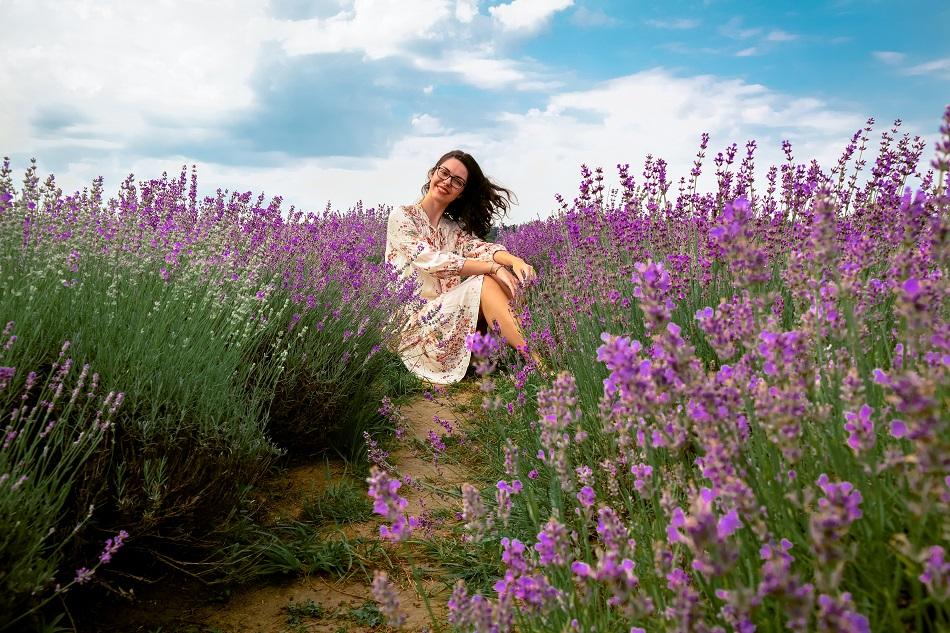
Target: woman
439, 240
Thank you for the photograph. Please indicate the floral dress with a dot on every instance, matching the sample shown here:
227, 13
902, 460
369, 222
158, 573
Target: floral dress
432, 342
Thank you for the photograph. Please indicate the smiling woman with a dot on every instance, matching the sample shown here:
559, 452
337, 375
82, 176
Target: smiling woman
440, 240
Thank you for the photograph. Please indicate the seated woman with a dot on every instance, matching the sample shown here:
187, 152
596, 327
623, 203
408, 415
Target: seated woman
440, 241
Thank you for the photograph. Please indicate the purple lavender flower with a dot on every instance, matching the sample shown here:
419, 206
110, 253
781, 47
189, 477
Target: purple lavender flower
474, 513
936, 574
557, 407
522, 582
83, 575
383, 489
436, 442
112, 546
860, 428
553, 544
386, 597
707, 535
376, 454
6, 375
829, 524
503, 499
836, 614
586, 497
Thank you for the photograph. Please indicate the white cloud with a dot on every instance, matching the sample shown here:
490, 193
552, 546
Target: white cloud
427, 124
889, 57
466, 10
114, 78
778, 35
527, 15
123, 73
377, 28
479, 67
939, 68
109, 75
382, 28
656, 112
677, 23
747, 52
538, 152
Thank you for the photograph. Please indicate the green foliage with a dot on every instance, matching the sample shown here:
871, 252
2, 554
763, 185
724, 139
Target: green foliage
343, 501
367, 614
223, 366
299, 612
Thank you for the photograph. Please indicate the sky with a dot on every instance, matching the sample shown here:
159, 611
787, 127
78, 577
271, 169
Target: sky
339, 101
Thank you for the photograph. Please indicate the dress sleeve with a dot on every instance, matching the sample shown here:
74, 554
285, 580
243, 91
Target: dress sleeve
471, 246
407, 246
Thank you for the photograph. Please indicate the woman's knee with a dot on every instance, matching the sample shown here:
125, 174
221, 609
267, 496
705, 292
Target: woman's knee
490, 290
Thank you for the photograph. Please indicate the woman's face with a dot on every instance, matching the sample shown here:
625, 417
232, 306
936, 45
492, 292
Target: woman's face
448, 180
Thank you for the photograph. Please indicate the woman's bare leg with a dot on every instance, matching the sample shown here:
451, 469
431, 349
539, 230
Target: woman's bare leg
494, 307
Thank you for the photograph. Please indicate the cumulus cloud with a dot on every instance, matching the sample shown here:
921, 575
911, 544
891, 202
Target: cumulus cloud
527, 15
377, 28
105, 79
480, 68
116, 73
537, 152
466, 10
426, 124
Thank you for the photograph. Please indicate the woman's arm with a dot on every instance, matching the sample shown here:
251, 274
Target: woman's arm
479, 267
473, 247
523, 270
495, 270
505, 258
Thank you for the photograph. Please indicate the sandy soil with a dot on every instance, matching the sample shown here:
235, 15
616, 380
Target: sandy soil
264, 609
289, 605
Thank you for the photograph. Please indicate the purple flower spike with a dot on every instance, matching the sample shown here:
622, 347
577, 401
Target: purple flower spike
586, 496
860, 428
383, 489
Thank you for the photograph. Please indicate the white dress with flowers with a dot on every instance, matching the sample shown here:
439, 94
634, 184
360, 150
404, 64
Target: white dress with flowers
432, 342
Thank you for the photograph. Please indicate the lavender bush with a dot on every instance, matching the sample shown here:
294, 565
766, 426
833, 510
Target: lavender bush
54, 425
749, 430
233, 328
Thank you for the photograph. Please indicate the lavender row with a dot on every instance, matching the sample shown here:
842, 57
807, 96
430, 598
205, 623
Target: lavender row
234, 329
749, 428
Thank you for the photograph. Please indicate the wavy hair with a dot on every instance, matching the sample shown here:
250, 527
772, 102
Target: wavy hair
481, 201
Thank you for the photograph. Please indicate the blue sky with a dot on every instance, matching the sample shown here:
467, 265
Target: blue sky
346, 100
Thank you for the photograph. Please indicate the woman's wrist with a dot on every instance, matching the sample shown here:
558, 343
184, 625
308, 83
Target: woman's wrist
504, 258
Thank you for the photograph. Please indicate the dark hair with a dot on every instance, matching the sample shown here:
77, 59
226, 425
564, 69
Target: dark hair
480, 202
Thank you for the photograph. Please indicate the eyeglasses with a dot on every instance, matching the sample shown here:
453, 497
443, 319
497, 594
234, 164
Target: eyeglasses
442, 173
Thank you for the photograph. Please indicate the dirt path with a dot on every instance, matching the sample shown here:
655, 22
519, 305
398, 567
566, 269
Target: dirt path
321, 604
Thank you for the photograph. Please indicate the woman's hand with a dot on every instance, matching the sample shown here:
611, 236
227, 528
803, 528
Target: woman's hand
507, 281
523, 271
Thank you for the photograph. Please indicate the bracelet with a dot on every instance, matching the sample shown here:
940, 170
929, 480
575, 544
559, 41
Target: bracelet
494, 269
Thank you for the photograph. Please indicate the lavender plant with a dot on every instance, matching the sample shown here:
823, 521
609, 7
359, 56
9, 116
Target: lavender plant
235, 330
749, 431
57, 424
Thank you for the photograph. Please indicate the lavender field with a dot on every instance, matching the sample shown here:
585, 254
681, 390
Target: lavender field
743, 427
750, 429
